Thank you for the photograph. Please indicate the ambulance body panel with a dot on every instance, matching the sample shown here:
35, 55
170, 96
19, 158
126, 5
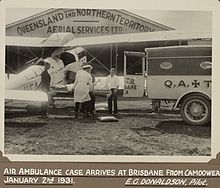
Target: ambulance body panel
182, 74
178, 73
172, 71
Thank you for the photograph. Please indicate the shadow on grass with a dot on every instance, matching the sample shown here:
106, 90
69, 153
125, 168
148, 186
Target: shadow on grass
149, 115
13, 114
179, 127
25, 125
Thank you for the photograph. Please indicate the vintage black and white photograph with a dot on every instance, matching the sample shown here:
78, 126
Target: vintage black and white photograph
89, 81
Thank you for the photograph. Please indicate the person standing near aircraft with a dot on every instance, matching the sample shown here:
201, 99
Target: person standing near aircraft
82, 86
45, 87
91, 103
112, 83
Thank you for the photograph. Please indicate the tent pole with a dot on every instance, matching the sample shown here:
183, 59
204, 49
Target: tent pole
110, 55
18, 59
116, 57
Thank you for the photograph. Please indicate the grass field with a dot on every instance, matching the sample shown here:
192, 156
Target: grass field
137, 132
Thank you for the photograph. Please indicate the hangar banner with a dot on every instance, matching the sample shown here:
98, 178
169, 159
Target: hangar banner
82, 23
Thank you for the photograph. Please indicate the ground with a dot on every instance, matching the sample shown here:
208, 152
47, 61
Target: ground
137, 132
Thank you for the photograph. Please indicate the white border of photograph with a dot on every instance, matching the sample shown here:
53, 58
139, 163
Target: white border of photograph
195, 5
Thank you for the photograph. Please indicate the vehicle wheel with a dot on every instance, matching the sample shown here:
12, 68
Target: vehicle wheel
196, 110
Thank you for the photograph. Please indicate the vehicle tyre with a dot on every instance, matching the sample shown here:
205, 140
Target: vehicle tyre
196, 110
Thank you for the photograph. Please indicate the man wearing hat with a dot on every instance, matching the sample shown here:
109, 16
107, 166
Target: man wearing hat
82, 86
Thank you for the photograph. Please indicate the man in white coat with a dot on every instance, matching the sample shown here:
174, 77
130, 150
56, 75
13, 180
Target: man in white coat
81, 87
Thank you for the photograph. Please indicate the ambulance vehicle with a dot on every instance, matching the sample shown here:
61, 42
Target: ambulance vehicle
181, 74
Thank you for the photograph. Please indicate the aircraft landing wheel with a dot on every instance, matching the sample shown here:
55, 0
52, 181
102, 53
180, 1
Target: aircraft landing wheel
196, 110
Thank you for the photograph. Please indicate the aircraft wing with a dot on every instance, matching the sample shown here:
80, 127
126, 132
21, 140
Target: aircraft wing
68, 40
137, 37
54, 40
24, 41
37, 96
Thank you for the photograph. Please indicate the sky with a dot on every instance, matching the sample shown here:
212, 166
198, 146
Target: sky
179, 20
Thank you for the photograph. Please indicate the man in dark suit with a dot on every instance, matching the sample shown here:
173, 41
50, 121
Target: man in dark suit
91, 103
45, 86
